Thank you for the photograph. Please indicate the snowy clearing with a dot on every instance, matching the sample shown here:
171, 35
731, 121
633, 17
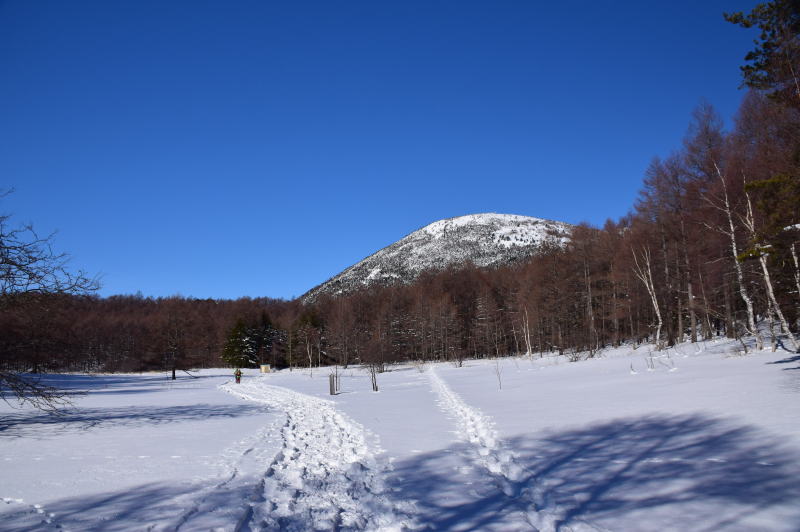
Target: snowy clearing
708, 440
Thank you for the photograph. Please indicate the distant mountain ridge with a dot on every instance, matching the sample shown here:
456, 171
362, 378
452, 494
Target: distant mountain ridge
485, 240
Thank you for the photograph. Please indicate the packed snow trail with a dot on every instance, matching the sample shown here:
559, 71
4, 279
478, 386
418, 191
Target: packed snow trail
324, 478
514, 481
477, 430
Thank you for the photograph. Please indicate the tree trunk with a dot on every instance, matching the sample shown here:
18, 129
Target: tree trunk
590, 311
729, 325
750, 223
706, 309
762, 259
751, 322
689, 292
526, 334
668, 284
645, 274
796, 274
290, 350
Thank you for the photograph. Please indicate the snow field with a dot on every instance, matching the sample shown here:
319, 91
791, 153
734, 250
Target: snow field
325, 477
709, 440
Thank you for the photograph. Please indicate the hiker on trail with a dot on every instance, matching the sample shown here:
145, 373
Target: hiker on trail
238, 375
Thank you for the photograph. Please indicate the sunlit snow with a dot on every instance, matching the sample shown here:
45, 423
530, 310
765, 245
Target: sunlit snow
708, 440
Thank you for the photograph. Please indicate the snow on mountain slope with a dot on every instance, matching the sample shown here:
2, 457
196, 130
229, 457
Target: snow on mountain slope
483, 239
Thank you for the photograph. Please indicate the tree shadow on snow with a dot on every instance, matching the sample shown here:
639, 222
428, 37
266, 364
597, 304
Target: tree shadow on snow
651, 473
787, 360
97, 382
157, 506
43, 424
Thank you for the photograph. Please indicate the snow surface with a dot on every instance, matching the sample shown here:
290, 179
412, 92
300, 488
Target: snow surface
708, 440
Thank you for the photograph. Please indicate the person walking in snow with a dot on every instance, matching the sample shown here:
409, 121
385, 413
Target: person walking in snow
238, 375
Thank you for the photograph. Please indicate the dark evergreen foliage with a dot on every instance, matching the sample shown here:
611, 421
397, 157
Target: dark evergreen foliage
774, 65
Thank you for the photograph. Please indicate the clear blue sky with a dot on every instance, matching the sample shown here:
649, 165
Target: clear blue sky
232, 148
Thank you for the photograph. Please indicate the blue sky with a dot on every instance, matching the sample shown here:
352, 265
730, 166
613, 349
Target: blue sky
226, 149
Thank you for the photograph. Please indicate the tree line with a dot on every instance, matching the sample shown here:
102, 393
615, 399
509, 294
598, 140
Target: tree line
709, 248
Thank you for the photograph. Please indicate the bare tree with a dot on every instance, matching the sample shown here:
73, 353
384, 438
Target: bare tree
644, 273
748, 220
796, 269
29, 265
724, 205
29, 270
526, 334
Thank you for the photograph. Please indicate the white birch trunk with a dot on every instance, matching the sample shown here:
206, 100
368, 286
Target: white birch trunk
645, 274
796, 272
750, 223
526, 334
751, 322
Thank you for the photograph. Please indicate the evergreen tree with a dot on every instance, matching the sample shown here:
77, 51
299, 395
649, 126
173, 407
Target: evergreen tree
778, 199
240, 347
775, 62
264, 337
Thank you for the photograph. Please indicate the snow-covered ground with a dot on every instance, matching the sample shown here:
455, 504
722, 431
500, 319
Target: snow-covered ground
701, 438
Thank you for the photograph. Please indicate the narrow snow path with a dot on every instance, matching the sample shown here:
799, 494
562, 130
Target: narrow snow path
325, 477
477, 429
490, 454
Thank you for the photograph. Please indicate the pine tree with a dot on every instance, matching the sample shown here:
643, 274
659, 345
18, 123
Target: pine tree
775, 61
264, 337
240, 347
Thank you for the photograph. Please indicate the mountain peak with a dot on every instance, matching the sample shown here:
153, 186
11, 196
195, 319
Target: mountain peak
485, 240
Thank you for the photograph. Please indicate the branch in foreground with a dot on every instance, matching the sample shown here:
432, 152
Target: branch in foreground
20, 389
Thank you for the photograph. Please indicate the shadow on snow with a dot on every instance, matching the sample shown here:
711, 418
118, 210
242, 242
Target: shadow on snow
96, 382
159, 506
30, 424
649, 473
788, 360
680, 472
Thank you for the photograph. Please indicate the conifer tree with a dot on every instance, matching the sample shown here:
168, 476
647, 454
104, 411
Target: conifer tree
775, 62
240, 347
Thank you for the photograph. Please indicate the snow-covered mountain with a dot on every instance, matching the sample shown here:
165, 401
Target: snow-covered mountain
483, 239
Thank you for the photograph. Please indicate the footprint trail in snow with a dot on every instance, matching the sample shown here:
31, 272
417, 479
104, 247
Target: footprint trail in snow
489, 453
325, 477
